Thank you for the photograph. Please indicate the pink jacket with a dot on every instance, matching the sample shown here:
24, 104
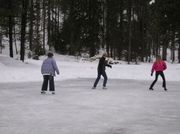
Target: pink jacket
159, 66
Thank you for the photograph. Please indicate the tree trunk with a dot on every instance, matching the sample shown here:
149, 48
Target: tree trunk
15, 40
10, 31
37, 42
23, 28
44, 25
165, 46
179, 53
31, 25
173, 48
49, 24
130, 31
104, 34
157, 48
0, 41
164, 52
120, 44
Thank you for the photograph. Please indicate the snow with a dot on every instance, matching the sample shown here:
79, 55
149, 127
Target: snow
126, 107
13, 70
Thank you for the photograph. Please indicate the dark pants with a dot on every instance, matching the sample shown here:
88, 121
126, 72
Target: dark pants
103, 73
156, 78
50, 79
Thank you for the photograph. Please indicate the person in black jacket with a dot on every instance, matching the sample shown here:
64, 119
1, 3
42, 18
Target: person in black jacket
101, 71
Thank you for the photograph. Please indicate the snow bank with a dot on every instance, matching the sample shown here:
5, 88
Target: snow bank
13, 70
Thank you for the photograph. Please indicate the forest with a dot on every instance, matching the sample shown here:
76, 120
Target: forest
130, 30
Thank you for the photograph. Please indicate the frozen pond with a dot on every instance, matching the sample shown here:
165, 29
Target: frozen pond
126, 107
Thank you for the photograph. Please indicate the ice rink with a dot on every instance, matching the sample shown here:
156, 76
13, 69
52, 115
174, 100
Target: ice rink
126, 107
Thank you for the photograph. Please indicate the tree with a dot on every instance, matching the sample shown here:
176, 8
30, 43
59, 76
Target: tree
9, 10
23, 28
10, 18
130, 30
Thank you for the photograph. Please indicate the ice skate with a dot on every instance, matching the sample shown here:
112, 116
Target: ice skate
93, 87
43, 92
104, 87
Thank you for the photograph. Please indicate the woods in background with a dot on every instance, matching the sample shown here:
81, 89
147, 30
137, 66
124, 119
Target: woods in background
126, 29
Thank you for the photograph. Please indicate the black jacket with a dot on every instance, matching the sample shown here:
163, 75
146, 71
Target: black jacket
102, 64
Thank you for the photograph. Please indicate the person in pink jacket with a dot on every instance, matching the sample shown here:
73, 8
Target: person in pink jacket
158, 66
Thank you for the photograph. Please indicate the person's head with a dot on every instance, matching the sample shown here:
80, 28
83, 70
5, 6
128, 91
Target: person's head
104, 55
158, 58
50, 55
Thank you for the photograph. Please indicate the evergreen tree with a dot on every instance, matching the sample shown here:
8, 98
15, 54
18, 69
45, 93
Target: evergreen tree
126, 29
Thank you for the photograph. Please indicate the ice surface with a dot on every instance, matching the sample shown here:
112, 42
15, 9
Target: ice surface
126, 107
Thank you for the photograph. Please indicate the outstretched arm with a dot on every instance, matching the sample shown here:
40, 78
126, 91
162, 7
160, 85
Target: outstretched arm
108, 65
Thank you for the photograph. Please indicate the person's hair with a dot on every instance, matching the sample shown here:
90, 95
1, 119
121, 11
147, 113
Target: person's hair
50, 54
158, 58
104, 54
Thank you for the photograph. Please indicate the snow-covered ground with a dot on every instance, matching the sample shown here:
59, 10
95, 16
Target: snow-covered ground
12, 70
126, 107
